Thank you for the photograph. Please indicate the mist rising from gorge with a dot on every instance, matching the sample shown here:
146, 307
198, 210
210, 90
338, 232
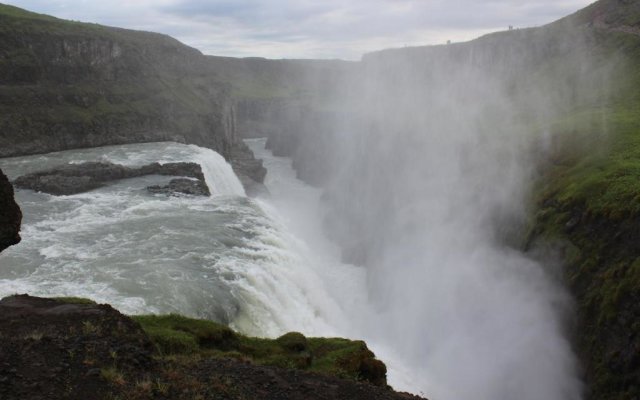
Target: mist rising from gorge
431, 155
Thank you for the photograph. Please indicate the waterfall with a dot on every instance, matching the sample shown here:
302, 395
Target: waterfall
217, 172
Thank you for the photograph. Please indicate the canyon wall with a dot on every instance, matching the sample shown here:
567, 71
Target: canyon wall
68, 85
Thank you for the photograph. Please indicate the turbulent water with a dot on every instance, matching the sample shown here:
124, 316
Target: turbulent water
227, 258
265, 267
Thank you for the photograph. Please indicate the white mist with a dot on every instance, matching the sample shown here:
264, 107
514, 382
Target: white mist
434, 168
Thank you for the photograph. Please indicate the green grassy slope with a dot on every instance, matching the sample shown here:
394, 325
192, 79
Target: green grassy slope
176, 336
187, 338
588, 207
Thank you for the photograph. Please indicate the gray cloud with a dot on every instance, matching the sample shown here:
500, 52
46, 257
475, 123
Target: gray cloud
310, 28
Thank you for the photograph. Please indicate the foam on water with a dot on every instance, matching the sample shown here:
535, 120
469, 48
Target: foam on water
261, 265
296, 206
227, 257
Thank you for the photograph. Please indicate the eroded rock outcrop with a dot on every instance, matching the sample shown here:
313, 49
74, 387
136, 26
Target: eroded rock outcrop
79, 178
10, 215
76, 349
53, 349
182, 186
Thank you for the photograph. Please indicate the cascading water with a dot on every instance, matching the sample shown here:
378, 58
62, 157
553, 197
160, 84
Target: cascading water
226, 258
453, 315
431, 174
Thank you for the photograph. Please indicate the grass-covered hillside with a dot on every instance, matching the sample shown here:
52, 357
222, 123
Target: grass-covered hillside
588, 207
587, 202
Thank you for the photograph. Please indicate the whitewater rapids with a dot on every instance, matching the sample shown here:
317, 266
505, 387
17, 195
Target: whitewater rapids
263, 266
227, 258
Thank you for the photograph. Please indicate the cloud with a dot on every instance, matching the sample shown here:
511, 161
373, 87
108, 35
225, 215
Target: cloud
310, 28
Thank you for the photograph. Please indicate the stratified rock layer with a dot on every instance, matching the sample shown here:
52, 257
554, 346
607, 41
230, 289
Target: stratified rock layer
71, 85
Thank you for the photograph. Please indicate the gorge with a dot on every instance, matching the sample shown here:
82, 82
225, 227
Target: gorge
470, 210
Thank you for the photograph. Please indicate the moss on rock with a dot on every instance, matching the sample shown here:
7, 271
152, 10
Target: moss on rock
588, 208
175, 335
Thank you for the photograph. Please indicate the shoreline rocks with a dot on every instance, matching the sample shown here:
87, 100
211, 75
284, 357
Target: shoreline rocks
79, 178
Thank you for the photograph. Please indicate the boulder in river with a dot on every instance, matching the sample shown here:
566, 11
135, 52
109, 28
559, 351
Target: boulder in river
79, 178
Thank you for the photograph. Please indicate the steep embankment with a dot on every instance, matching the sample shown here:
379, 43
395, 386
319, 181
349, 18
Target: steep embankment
70, 85
588, 203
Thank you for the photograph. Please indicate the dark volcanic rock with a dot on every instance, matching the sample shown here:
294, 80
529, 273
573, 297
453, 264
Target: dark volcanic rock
79, 178
236, 380
10, 215
53, 349
58, 184
181, 185
63, 349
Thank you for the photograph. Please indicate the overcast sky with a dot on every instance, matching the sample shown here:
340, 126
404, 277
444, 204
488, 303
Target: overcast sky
309, 28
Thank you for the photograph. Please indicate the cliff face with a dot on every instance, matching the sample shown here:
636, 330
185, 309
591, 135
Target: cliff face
296, 104
75, 349
68, 85
10, 215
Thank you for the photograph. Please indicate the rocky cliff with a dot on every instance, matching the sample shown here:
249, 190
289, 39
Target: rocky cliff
10, 215
69, 85
294, 103
75, 349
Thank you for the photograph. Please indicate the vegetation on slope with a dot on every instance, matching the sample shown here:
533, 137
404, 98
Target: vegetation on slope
588, 207
75, 349
188, 338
